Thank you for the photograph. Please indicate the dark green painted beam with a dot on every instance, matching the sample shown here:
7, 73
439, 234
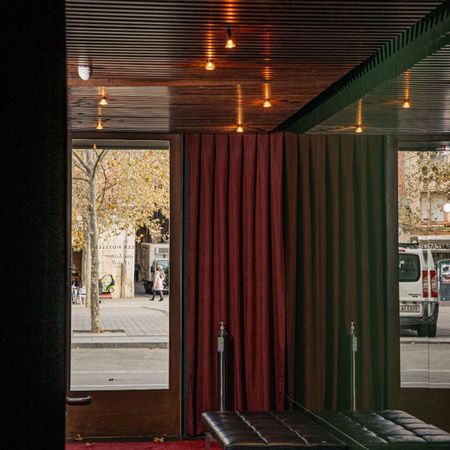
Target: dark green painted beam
399, 54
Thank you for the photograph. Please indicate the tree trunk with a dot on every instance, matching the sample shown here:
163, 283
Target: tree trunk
87, 269
123, 277
95, 312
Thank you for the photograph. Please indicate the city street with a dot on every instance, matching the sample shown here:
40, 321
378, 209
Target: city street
133, 353
119, 368
425, 362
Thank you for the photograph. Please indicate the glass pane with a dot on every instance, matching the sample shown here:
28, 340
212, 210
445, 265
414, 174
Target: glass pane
424, 259
120, 268
408, 268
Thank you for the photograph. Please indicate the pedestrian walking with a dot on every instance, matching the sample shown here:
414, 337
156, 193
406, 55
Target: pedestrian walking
137, 271
158, 283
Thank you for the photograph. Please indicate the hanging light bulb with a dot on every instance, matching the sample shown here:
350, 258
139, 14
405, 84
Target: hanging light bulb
359, 117
210, 65
230, 42
240, 129
103, 100
406, 103
267, 103
99, 124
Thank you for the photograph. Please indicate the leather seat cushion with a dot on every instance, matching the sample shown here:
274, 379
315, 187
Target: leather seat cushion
290, 430
387, 429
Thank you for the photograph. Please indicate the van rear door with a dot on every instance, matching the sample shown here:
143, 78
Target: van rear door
410, 275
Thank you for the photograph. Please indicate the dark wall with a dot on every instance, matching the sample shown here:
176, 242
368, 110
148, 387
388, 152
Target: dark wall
34, 163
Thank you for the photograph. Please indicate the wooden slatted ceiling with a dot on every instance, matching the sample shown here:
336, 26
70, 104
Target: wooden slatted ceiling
150, 57
427, 85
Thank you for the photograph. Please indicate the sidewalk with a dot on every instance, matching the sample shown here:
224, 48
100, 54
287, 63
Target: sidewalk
136, 322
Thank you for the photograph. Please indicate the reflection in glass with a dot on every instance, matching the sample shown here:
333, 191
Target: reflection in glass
424, 246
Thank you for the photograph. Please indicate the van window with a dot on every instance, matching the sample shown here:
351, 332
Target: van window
408, 267
164, 263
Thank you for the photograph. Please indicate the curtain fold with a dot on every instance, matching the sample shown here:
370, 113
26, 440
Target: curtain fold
236, 270
288, 243
336, 222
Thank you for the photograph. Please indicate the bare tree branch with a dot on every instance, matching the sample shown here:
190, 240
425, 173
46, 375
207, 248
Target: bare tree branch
99, 158
101, 197
80, 179
82, 164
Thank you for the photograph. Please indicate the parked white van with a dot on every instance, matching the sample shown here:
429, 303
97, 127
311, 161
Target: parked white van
419, 305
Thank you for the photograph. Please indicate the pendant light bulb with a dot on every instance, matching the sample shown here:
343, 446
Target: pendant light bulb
103, 101
406, 103
99, 124
210, 65
267, 103
230, 42
359, 129
240, 129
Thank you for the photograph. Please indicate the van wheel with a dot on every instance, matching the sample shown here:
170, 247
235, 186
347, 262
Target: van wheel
432, 330
422, 330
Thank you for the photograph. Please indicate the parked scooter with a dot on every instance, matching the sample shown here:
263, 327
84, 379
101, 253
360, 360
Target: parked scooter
106, 285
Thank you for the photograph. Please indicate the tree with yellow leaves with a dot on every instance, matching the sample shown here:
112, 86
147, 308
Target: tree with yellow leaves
114, 190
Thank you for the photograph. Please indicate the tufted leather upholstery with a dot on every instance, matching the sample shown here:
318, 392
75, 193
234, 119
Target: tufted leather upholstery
291, 430
387, 429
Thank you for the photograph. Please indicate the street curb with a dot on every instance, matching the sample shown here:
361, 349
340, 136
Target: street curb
152, 345
424, 340
93, 341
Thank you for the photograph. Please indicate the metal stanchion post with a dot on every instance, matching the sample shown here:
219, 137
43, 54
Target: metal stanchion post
354, 349
222, 356
222, 353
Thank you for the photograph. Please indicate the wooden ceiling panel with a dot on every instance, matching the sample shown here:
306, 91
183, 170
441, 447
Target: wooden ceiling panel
150, 55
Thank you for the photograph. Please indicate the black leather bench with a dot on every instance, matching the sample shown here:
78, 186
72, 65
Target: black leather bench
291, 430
389, 429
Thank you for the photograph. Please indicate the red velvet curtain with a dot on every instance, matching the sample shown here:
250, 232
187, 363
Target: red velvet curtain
235, 270
341, 267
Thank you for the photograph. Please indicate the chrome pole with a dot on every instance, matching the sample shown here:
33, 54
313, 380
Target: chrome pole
221, 343
354, 349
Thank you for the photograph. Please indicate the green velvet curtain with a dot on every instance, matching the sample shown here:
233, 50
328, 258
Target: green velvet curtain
340, 227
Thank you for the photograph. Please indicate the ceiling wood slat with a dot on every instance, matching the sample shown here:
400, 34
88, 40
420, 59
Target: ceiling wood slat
149, 57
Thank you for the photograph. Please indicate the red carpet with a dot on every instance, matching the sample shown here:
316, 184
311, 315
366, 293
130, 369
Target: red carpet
169, 445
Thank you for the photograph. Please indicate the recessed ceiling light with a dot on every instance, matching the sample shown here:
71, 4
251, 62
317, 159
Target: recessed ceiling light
99, 124
267, 103
406, 103
359, 129
240, 129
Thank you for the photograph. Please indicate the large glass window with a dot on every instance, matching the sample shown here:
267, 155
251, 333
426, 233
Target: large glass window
424, 259
120, 268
